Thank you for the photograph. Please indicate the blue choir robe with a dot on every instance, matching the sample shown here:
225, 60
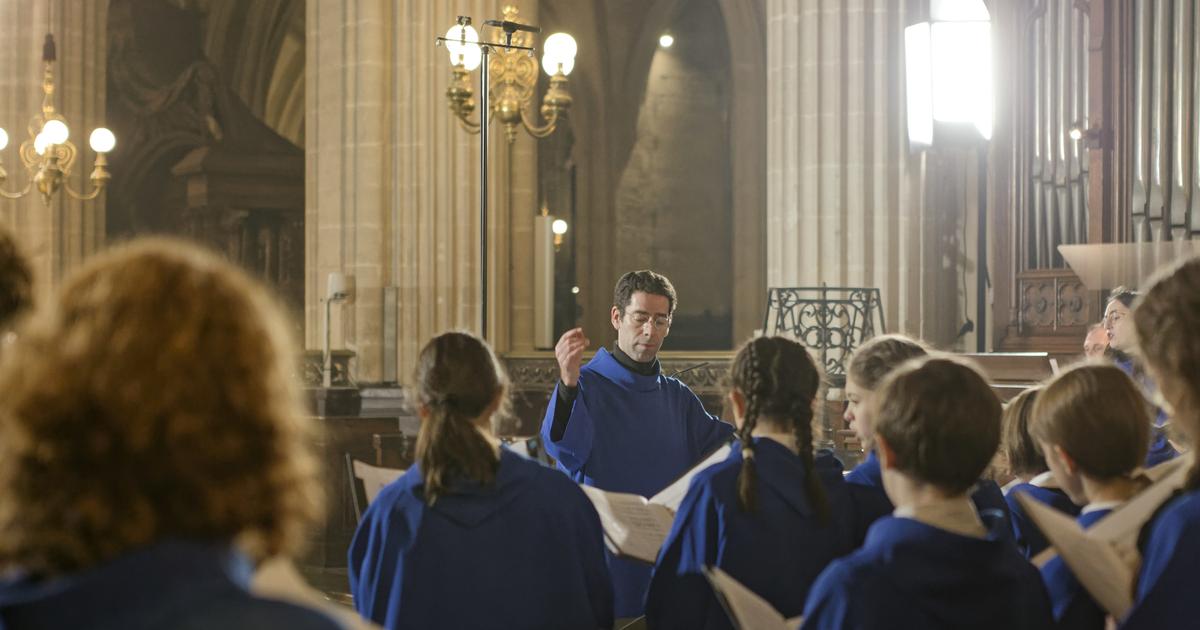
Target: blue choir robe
523, 552
1074, 608
631, 433
777, 551
171, 584
873, 503
1030, 540
1160, 448
1169, 576
912, 575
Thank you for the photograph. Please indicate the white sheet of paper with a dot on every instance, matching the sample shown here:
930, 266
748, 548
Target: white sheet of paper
745, 608
1096, 563
374, 478
1125, 523
672, 495
634, 526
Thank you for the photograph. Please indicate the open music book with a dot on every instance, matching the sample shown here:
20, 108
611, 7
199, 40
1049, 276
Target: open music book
636, 527
1100, 557
1124, 524
745, 608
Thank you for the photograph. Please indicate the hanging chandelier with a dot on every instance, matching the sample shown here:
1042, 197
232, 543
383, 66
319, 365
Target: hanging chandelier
49, 155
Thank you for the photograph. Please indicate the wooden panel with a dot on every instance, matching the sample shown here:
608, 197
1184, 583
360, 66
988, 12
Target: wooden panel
341, 436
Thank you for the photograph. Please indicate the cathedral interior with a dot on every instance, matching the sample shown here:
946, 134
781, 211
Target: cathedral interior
768, 156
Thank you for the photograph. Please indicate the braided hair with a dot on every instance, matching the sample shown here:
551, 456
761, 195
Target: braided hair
780, 381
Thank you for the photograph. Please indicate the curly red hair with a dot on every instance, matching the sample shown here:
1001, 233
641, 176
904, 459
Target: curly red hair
155, 398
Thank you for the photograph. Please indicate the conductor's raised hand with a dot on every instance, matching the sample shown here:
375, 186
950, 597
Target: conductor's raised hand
569, 353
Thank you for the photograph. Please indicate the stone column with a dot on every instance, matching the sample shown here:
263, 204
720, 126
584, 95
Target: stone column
846, 201
392, 197
55, 237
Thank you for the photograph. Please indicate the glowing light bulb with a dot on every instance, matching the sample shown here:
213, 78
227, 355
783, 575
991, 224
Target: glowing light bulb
3, 139
56, 131
559, 55
559, 226
466, 54
102, 140
40, 143
666, 40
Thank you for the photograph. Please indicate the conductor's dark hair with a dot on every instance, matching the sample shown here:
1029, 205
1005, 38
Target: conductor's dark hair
645, 281
1124, 295
457, 379
780, 381
16, 281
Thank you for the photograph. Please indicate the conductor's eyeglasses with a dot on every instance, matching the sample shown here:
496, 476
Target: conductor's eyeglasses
662, 322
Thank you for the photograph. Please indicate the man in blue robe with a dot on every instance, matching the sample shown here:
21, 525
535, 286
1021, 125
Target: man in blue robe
618, 423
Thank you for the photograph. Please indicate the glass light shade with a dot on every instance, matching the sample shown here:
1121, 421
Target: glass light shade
471, 57
468, 55
962, 73
551, 65
102, 140
40, 143
558, 226
560, 47
56, 131
3, 139
666, 40
919, 84
958, 11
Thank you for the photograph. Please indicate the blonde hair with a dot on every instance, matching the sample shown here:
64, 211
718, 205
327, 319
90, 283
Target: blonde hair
1096, 414
1166, 319
154, 399
1020, 449
876, 358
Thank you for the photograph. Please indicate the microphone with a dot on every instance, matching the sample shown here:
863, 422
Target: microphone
512, 27
966, 328
689, 369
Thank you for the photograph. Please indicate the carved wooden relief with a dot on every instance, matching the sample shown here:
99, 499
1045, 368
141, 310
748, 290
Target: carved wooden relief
1055, 301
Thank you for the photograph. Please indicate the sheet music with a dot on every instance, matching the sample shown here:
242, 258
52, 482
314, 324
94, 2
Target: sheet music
672, 495
374, 478
1096, 563
1125, 523
634, 526
745, 608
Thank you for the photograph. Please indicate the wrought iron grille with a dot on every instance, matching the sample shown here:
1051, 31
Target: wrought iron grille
830, 321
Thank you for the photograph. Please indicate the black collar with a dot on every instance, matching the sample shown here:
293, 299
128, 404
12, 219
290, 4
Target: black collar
637, 367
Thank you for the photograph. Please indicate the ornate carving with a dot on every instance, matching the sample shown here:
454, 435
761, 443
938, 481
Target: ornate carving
832, 321
1038, 304
1072, 303
1052, 300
